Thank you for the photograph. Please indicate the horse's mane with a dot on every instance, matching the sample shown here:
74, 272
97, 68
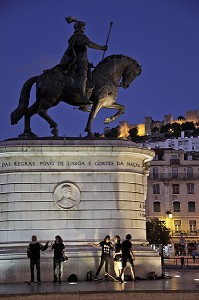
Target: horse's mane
121, 56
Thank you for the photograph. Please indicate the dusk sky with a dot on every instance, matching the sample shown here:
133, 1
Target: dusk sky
162, 35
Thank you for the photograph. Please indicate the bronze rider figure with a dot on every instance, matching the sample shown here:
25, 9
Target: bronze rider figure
75, 58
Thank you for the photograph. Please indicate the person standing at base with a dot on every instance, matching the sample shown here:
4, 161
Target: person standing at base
117, 256
58, 262
106, 255
193, 256
127, 256
33, 252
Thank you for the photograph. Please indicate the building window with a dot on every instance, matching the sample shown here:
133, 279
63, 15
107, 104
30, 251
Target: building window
155, 172
156, 157
156, 188
192, 225
174, 172
156, 206
177, 225
176, 206
174, 160
190, 188
191, 206
176, 188
189, 157
189, 172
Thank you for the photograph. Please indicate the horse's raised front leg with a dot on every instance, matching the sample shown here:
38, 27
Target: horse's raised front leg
53, 124
94, 110
119, 107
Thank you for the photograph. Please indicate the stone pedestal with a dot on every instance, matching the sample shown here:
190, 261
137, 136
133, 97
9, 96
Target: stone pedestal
79, 189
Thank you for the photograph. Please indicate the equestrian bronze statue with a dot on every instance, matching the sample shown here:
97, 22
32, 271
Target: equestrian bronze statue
73, 82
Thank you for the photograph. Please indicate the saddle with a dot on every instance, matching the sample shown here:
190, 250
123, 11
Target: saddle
72, 76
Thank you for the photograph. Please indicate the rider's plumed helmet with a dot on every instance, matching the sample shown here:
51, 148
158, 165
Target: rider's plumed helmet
79, 25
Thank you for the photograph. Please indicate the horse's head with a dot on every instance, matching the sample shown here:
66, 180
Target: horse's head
132, 70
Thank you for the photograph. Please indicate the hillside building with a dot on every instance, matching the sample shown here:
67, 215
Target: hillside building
173, 195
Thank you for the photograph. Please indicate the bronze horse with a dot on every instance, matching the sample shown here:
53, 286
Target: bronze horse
57, 86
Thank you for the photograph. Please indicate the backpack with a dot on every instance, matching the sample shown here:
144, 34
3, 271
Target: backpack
72, 278
89, 276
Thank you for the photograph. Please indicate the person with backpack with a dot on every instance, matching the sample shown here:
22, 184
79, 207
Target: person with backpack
33, 252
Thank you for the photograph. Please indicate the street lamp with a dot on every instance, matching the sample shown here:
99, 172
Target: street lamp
169, 213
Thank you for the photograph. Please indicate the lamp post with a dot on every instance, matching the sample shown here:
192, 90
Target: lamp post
169, 213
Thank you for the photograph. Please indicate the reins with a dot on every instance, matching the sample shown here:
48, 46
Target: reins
109, 58
107, 77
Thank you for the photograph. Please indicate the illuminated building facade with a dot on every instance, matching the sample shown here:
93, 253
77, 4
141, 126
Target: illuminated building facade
173, 189
147, 128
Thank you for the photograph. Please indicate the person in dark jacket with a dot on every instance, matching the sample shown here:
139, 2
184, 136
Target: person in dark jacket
33, 252
58, 259
127, 256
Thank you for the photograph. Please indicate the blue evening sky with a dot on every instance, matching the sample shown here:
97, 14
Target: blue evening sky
162, 35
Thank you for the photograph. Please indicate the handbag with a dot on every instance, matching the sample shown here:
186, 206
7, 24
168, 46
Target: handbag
63, 258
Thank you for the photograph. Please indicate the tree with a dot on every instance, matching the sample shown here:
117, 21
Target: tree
165, 128
114, 132
188, 126
157, 232
181, 118
97, 134
175, 126
133, 134
196, 131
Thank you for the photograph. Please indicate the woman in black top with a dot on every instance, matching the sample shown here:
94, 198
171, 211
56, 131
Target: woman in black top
117, 256
58, 264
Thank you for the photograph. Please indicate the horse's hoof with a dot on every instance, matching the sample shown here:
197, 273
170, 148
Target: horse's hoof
28, 134
55, 131
89, 133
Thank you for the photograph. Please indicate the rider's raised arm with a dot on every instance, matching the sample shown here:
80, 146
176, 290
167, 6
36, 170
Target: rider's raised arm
96, 46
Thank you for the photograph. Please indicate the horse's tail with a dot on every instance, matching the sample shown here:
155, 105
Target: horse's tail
18, 113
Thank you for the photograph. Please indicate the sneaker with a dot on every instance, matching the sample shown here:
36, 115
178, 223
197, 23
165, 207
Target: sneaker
96, 278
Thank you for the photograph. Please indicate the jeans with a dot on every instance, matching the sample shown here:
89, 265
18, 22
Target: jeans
58, 269
104, 259
35, 262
